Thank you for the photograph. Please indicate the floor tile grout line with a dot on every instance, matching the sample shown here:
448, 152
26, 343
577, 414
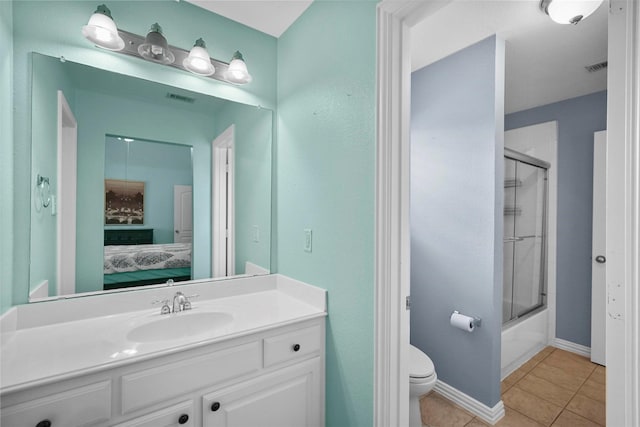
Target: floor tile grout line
582, 416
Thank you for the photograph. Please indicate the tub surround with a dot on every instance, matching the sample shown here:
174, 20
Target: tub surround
66, 338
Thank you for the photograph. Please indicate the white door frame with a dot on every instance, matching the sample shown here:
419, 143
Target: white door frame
392, 249
623, 215
67, 178
223, 204
394, 20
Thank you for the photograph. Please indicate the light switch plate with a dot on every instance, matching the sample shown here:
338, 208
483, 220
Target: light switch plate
256, 234
307, 240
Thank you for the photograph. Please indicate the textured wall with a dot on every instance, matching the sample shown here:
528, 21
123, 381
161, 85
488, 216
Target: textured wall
578, 119
456, 215
325, 182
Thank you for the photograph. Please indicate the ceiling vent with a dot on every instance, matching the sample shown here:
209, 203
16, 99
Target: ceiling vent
596, 67
181, 98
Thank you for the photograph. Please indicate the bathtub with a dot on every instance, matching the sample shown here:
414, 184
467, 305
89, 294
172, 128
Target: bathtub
522, 339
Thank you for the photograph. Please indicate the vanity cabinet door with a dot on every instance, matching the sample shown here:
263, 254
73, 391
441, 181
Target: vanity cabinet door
289, 397
179, 415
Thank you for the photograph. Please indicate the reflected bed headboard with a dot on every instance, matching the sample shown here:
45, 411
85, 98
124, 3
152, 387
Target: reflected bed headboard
139, 236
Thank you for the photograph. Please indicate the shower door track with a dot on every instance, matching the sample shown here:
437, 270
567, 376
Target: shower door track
514, 155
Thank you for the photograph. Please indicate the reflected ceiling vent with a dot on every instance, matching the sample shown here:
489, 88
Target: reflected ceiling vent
181, 98
597, 67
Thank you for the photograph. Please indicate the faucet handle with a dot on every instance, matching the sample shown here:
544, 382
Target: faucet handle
165, 309
187, 303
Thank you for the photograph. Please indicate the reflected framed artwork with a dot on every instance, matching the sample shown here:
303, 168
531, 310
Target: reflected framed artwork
123, 202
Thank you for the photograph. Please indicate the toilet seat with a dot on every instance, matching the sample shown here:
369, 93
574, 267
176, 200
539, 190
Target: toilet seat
420, 366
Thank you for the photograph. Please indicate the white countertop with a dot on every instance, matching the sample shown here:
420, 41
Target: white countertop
35, 353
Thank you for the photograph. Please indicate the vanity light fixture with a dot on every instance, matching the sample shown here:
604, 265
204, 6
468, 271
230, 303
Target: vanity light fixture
237, 71
569, 11
198, 61
102, 31
155, 47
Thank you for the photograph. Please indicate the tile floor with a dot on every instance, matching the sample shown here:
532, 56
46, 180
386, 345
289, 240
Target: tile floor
555, 388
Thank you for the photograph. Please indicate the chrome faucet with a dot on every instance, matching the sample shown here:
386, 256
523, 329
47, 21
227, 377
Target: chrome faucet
180, 302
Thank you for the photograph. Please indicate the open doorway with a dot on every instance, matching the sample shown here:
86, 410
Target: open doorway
394, 24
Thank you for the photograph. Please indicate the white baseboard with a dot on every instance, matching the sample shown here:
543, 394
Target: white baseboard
582, 350
479, 409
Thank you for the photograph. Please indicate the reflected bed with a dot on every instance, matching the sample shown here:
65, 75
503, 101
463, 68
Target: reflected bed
132, 259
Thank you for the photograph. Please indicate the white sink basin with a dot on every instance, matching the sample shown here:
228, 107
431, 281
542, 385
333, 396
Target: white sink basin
176, 326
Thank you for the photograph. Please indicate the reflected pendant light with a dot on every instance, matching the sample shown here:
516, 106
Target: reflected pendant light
102, 31
155, 47
198, 61
237, 72
569, 11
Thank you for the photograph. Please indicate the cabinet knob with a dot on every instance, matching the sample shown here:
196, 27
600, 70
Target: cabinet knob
44, 423
215, 406
183, 419
296, 347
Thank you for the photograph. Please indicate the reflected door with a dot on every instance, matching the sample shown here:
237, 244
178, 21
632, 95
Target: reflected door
182, 214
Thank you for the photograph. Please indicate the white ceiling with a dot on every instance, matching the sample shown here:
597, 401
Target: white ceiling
272, 17
544, 61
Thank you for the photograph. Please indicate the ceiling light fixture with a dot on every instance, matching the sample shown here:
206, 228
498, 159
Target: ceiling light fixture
198, 61
569, 11
102, 31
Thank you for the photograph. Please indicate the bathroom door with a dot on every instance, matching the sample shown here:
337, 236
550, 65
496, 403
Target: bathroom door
599, 243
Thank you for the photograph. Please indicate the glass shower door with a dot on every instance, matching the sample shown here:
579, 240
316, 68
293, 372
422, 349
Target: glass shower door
524, 237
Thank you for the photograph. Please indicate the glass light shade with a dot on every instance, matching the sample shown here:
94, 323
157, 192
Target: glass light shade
571, 11
155, 47
102, 31
198, 61
237, 72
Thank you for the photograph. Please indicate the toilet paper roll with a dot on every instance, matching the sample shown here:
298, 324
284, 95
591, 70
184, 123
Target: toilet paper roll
461, 321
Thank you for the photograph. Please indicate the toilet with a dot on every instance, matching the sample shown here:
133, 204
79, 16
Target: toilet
422, 378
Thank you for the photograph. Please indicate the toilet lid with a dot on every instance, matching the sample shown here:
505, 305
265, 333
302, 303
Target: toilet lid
420, 366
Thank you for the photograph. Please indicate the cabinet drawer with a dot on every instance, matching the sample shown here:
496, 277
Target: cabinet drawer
82, 406
292, 345
176, 415
155, 385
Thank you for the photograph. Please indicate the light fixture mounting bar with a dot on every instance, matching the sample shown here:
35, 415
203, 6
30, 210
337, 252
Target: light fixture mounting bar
132, 41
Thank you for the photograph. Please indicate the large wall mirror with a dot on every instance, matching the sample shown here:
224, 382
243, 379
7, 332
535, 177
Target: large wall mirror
136, 183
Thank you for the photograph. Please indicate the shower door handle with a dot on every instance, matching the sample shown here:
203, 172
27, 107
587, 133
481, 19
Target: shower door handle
513, 239
600, 259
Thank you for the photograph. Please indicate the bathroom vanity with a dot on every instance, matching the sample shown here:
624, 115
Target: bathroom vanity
250, 351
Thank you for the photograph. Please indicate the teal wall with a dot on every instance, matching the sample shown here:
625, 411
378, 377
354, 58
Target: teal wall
160, 166
326, 182
6, 154
59, 35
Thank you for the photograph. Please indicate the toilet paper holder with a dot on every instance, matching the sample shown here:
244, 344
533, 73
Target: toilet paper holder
477, 321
